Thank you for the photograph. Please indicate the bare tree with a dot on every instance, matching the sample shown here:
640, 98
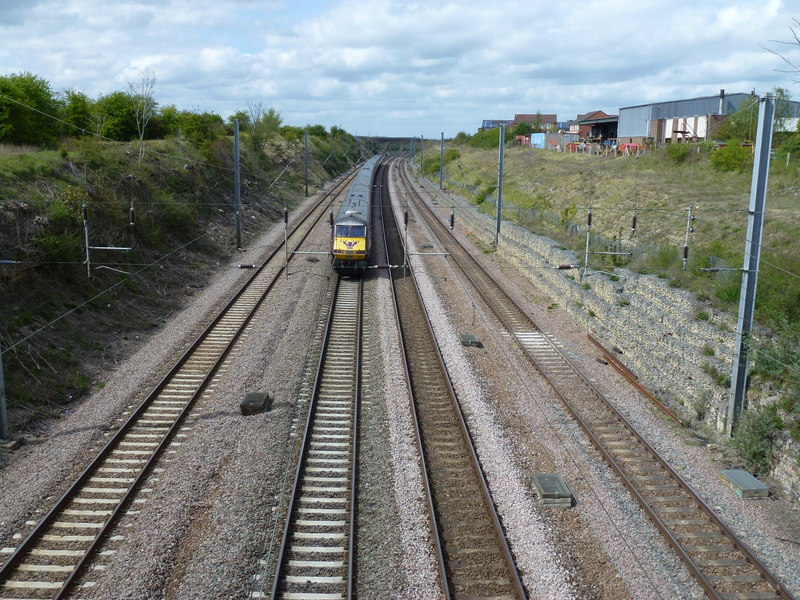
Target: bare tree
795, 29
144, 105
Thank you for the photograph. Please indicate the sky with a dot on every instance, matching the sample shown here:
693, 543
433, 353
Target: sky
406, 68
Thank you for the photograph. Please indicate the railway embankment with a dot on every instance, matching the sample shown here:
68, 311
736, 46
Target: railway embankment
679, 347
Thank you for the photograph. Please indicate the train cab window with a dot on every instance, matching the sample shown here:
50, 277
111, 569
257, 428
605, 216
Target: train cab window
352, 231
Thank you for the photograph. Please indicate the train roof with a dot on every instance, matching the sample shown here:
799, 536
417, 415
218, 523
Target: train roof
357, 201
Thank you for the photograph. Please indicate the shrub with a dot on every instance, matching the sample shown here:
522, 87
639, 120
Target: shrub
753, 438
732, 157
677, 153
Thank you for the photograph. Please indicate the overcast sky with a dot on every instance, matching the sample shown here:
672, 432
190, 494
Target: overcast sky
403, 68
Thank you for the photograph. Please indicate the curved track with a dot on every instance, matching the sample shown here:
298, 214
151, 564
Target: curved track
50, 560
473, 554
716, 557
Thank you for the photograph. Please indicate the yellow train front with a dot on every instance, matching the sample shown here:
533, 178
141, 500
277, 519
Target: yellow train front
350, 241
351, 231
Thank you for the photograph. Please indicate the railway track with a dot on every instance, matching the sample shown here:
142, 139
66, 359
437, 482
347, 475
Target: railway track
473, 555
316, 552
721, 563
51, 558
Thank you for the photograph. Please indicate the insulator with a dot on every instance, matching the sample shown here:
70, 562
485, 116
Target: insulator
564, 267
685, 252
330, 218
132, 216
405, 217
85, 212
589, 219
285, 215
452, 219
633, 223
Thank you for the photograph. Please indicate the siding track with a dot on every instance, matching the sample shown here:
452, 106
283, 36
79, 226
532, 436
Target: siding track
716, 557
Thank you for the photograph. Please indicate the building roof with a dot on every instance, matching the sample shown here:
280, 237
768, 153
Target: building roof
531, 118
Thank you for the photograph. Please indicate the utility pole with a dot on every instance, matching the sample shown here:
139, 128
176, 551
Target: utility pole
306, 159
501, 153
3, 412
237, 184
752, 255
441, 162
422, 154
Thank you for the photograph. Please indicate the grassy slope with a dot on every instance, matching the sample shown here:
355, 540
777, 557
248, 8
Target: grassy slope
661, 190
180, 193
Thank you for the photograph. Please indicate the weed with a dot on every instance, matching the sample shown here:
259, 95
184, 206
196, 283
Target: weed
702, 316
623, 302
708, 350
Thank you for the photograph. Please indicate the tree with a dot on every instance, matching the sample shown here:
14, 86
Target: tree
27, 108
243, 117
523, 129
200, 127
77, 111
264, 124
116, 116
144, 106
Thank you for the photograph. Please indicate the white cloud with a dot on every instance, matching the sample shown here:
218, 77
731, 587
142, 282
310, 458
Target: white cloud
403, 68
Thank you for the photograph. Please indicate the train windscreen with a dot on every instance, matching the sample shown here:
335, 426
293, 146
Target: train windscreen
351, 231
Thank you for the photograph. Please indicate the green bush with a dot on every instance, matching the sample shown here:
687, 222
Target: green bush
732, 157
677, 152
753, 438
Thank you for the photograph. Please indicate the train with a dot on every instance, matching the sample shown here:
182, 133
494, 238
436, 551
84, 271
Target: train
351, 229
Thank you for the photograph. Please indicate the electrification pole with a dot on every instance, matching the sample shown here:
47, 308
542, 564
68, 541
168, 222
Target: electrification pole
3, 413
752, 255
441, 162
501, 153
237, 183
306, 158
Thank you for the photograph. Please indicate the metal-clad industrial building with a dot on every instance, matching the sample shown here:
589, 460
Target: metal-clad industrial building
682, 120
676, 120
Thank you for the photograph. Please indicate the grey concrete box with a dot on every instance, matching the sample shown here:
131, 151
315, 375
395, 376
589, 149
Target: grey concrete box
744, 484
255, 402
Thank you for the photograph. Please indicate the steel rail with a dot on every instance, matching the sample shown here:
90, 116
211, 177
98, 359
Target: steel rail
460, 255
23, 550
514, 583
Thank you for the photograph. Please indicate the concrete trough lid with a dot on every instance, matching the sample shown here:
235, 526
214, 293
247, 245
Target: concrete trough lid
553, 490
467, 339
255, 402
744, 484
